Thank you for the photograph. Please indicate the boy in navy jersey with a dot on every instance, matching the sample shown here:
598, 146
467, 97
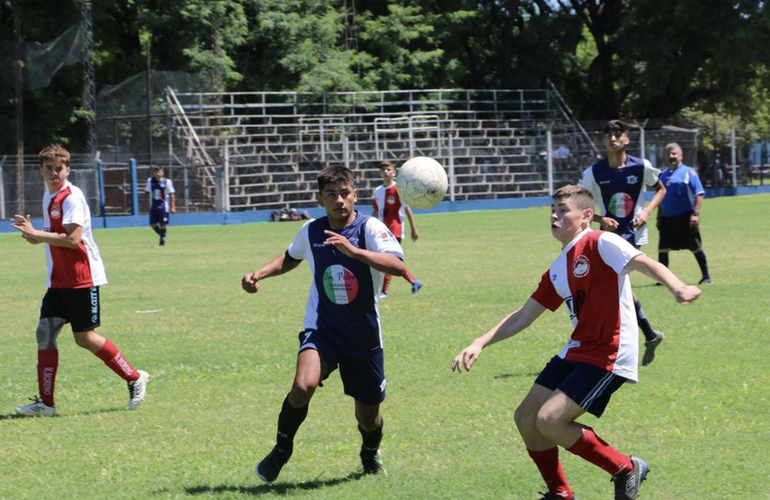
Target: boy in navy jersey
590, 277
161, 192
618, 183
348, 253
75, 273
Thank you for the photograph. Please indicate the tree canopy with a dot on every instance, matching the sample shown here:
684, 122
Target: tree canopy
609, 58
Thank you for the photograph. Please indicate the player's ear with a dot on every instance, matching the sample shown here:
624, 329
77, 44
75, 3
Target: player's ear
318, 199
588, 215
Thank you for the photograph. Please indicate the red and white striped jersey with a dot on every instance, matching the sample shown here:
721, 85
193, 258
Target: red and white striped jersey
591, 278
81, 267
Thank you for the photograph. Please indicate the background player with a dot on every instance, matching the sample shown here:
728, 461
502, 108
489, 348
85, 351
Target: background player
348, 254
75, 273
161, 191
389, 209
679, 214
618, 183
591, 277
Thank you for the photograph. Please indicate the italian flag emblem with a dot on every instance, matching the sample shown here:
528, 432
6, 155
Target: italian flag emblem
340, 285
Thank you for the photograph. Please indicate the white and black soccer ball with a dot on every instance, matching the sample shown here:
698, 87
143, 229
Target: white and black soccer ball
421, 182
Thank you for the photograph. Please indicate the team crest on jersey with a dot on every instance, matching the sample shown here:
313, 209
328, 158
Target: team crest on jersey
391, 200
581, 266
340, 285
55, 211
632, 179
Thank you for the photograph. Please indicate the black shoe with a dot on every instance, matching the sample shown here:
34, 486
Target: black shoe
373, 465
270, 466
706, 280
649, 348
627, 485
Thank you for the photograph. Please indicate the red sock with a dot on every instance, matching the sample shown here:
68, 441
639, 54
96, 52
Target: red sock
408, 276
386, 283
113, 358
592, 448
548, 464
47, 364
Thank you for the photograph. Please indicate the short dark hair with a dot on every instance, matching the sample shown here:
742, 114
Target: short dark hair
387, 163
56, 153
616, 126
582, 197
334, 174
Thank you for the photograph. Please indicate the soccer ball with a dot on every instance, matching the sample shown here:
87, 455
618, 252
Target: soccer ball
421, 182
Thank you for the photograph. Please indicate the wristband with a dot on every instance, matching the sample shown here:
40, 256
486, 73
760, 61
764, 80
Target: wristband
696, 213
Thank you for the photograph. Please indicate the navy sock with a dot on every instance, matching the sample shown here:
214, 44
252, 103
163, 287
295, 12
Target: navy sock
371, 441
289, 421
663, 258
644, 324
700, 256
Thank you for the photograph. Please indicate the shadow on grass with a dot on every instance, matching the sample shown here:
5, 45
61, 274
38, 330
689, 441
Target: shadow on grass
516, 375
281, 488
12, 416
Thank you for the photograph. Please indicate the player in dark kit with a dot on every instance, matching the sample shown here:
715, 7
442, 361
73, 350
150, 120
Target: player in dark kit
618, 183
349, 253
161, 191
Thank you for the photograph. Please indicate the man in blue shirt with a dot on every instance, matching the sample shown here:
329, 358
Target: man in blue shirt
349, 254
679, 214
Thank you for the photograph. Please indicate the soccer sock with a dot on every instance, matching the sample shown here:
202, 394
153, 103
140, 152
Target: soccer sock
113, 358
644, 324
386, 283
289, 421
163, 233
156, 229
47, 364
408, 276
700, 256
371, 440
592, 448
550, 468
663, 258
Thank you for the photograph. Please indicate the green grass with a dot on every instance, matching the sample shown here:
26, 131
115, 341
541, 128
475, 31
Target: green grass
221, 362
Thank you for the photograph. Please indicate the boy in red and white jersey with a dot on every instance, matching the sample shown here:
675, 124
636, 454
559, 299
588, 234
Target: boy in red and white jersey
591, 277
389, 208
75, 273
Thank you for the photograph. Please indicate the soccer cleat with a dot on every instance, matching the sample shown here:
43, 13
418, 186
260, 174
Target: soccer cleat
36, 409
383, 295
270, 466
162, 241
554, 496
137, 389
627, 485
706, 280
373, 465
416, 286
649, 348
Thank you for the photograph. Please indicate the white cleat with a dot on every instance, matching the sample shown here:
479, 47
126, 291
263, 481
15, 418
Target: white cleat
36, 409
137, 389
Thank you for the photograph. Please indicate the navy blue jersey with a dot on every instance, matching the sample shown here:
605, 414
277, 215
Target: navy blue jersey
159, 190
343, 303
619, 193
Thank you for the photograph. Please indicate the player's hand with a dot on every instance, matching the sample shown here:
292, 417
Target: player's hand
415, 235
641, 219
250, 283
466, 358
694, 220
24, 225
173, 210
609, 224
687, 293
340, 243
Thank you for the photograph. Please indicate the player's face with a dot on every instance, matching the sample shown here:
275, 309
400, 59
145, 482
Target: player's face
339, 200
615, 141
387, 174
159, 174
567, 220
54, 174
675, 157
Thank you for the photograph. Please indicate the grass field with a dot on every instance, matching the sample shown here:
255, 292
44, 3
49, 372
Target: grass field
221, 362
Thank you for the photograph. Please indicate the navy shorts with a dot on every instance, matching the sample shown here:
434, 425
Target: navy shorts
79, 306
363, 375
159, 216
587, 385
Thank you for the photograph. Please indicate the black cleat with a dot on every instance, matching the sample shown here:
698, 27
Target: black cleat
373, 465
627, 485
270, 466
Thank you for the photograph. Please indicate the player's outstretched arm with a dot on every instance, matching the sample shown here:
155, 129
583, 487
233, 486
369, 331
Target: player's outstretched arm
660, 273
279, 265
508, 327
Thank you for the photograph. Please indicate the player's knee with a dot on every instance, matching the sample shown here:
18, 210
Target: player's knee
525, 418
47, 331
548, 423
304, 388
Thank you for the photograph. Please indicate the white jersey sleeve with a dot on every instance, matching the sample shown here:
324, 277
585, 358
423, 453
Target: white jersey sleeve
75, 208
300, 246
148, 186
169, 187
380, 239
616, 252
588, 182
651, 174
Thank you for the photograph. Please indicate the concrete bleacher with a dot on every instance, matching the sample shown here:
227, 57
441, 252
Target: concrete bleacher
270, 146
